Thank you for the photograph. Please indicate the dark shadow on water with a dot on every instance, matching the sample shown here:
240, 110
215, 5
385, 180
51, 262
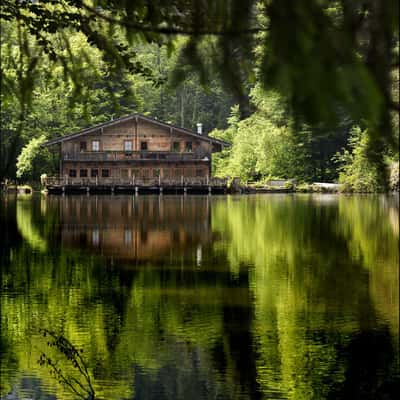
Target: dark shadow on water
370, 373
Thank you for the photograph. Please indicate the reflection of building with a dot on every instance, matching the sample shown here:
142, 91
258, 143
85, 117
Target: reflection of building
141, 228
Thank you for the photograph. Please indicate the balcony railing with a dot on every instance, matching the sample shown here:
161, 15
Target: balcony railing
159, 181
134, 155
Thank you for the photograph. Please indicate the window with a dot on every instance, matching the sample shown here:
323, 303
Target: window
188, 147
105, 173
190, 172
166, 173
72, 173
124, 173
95, 145
156, 173
83, 173
95, 237
82, 146
94, 173
199, 172
127, 145
127, 236
143, 146
143, 236
135, 173
176, 146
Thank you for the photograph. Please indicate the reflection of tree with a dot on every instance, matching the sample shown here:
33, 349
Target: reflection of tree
371, 238
26, 228
8, 362
9, 237
185, 321
312, 295
66, 291
282, 305
238, 338
162, 319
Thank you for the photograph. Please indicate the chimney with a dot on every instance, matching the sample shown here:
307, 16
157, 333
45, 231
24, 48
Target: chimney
199, 128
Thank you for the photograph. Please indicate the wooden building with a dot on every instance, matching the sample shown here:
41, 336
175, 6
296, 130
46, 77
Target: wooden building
134, 151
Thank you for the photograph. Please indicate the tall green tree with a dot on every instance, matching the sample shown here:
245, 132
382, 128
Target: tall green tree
272, 144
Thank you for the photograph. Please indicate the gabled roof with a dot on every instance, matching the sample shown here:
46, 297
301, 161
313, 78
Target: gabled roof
135, 116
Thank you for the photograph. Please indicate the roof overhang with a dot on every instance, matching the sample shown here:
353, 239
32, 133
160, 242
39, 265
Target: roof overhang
137, 117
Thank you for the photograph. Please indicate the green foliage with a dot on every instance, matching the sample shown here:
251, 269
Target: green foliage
294, 46
255, 141
269, 144
184, 104
357, 172
32, 156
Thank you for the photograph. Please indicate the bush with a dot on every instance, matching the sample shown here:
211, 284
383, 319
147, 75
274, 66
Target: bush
357, 172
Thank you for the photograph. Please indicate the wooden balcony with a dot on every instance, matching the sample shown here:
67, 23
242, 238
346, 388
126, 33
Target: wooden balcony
182, 185
135, 155
114, 182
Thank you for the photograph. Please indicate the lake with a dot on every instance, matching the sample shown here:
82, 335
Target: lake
200, 297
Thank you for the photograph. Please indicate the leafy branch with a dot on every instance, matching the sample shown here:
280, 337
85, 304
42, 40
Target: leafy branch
83, 390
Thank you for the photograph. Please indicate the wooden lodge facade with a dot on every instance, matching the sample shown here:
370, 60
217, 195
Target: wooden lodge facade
135, 153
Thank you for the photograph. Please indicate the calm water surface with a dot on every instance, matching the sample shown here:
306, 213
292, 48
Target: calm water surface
251, 297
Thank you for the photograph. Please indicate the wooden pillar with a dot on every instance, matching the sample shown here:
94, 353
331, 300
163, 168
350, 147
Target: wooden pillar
61, 162
136, 134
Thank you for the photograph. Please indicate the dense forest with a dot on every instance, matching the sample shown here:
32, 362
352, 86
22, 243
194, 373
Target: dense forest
292, 108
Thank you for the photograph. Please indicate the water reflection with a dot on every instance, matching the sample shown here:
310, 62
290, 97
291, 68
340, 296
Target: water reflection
134, 228
204, 297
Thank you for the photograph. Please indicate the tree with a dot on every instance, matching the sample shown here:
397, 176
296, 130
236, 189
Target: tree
32, 155
271, 144
318, 53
